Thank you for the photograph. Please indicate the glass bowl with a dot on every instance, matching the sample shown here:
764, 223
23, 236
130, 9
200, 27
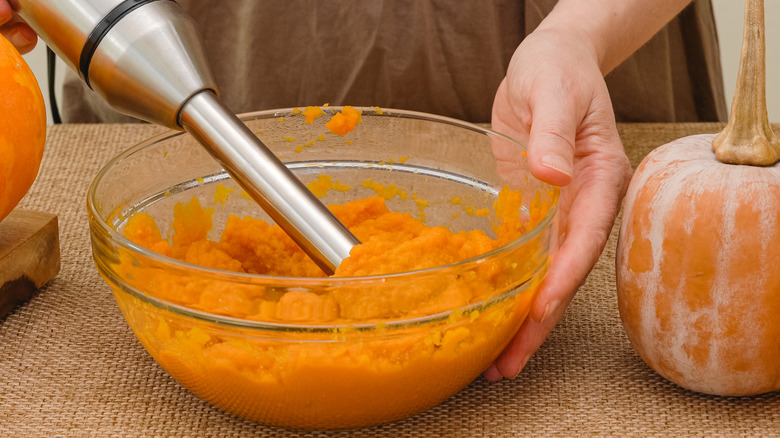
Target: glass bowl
426, 334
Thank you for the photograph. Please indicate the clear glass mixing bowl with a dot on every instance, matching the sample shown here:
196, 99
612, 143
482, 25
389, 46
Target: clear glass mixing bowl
348, 372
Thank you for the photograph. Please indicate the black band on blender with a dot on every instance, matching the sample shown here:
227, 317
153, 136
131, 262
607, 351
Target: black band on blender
100, 31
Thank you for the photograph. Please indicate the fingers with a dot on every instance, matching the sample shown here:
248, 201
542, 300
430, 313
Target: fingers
525, 343
570, 266
556, 292
590, 206
567, 271
21, 36
15, 30
558, 289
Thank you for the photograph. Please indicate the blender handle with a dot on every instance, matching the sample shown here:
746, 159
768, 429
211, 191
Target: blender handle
145, 59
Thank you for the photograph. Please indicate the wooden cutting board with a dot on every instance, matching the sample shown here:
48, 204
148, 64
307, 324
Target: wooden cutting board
29, 255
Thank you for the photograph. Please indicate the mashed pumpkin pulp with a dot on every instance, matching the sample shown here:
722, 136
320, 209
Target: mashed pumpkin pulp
392, 242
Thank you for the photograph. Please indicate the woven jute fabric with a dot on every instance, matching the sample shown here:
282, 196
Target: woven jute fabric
70, 366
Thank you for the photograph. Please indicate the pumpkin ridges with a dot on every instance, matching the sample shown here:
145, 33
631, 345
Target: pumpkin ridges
685, 243
747, 350
698, 253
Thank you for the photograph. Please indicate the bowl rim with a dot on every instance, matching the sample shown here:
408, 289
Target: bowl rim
325, 282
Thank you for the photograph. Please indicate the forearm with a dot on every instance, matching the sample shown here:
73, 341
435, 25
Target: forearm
614, 29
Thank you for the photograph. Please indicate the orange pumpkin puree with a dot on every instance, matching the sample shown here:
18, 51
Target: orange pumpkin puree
351, 377
344, 122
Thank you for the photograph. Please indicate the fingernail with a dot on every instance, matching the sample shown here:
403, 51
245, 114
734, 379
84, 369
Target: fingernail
520, 368
549, 310
558, 163
18, 39
492, 374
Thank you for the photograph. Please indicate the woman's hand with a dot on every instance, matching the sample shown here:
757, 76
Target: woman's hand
554, 99
15, 30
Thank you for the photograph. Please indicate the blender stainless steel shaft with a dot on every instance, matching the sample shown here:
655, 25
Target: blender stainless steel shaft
145, 59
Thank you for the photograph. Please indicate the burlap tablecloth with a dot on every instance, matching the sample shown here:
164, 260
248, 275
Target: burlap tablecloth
70, 366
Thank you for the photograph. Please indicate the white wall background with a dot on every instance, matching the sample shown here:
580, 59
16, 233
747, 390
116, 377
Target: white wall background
728, 15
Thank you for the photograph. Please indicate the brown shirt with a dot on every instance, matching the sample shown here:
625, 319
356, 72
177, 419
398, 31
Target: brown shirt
440, 56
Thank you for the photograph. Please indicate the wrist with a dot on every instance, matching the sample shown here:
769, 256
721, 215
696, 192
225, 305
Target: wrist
567, 33
612, 29
576, 44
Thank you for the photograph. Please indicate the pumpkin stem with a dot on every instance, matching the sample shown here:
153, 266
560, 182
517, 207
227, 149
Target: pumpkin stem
748, 137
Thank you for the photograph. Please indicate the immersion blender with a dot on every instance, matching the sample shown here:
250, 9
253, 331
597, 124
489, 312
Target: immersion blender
145, 59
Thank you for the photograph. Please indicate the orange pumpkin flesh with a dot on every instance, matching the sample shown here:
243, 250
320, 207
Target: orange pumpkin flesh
698, 286
22, 127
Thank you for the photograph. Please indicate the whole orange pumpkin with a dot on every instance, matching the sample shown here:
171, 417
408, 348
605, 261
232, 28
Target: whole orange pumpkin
697, 276
698, 282
22, 127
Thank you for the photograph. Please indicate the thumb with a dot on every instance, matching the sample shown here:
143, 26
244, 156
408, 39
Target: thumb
551, 141
15, 30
